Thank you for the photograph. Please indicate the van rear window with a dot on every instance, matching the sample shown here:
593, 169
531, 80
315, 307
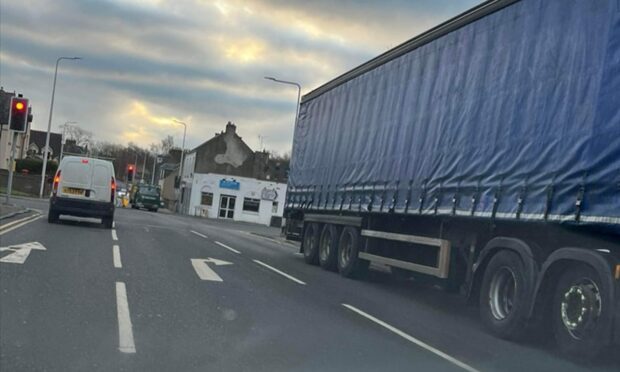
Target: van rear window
102, 176
76, 172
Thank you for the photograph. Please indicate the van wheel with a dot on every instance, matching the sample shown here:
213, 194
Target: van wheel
328, 247
52, 216
503, 298
349, 264
579, 313
311, 244
107, 222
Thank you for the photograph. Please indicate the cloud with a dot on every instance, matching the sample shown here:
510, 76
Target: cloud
203, 61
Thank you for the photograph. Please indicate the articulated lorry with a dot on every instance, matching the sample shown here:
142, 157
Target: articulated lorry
482, 156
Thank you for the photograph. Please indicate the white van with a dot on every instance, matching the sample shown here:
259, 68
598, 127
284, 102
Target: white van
83, 187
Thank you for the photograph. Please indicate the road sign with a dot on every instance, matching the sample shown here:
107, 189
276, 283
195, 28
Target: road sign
20, 252
203, 270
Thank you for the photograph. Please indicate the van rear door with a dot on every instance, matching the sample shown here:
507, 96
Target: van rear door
101, 182
75, 178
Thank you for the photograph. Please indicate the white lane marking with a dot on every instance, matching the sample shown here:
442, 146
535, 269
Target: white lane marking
227, 247
203, 270
125, 332
114, 236
20, 252
116, 253
15, 225
114, 224
412, 339
199, 234
280, 272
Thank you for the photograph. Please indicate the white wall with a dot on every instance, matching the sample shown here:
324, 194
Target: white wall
248, 187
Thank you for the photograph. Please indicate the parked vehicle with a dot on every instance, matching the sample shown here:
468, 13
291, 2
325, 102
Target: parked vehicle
483, 156
147, 197
83, 187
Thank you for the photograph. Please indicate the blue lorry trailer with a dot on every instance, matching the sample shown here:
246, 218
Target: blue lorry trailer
483, 155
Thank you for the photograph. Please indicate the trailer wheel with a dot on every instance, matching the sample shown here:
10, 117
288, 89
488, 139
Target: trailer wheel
579, 307
311, 243
349, 263
503, 297
328, 247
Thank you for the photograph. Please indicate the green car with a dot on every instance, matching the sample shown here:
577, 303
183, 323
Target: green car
147, 197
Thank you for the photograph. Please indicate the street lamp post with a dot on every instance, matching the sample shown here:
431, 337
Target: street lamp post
62, 139
153, 172
298, 96
182, 155
49, 124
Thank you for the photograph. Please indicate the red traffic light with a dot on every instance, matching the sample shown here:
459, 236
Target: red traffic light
130, 167
18, 115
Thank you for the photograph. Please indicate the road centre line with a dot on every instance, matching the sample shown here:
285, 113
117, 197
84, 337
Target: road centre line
412, 339
280, 272
17, 224
125, 332
227, 247
114, 236
199, 234
116, 254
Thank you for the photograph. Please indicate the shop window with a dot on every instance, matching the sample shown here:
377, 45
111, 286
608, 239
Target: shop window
206, 198
274, 208
251, 205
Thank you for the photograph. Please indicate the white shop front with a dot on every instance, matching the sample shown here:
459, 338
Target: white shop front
236, 198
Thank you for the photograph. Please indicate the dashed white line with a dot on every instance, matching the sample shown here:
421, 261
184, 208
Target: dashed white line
114, 236
412, 339
280, 272
114, 224
125, 332
199, 234
227, 247
116, 254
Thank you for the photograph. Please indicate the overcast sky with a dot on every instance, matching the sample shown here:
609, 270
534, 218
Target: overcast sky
200, 61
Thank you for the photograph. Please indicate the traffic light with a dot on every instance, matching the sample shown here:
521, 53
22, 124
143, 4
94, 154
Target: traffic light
131, 169
18, 115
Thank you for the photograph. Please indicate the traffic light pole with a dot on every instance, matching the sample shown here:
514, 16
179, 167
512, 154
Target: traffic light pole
9, 185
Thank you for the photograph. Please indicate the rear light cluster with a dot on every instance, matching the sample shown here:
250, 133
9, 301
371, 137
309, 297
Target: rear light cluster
56, 183
113, 190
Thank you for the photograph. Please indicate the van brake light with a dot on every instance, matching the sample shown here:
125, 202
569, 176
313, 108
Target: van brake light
56, 182
113, 192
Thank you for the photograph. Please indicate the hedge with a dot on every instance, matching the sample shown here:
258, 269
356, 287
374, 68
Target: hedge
35, 166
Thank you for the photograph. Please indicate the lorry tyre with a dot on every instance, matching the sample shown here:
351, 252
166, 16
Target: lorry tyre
349, 264
52, 216
504, 296
578, 312
328, 247
311, 243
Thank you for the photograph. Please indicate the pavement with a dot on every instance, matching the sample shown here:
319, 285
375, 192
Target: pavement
164, 292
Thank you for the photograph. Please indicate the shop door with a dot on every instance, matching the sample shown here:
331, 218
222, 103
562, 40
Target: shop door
227, 206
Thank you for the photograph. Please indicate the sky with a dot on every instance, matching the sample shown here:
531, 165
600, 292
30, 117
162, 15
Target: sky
147, 62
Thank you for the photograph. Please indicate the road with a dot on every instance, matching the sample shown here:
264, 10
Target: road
164, 292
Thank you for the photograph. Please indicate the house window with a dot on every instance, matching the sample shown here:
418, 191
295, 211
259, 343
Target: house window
206, 198
274, 208
251, 205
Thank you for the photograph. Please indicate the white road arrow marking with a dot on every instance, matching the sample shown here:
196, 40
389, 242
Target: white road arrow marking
20, 252
203, 270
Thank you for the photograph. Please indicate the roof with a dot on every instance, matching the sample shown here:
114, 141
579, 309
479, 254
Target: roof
38, 138
467, 17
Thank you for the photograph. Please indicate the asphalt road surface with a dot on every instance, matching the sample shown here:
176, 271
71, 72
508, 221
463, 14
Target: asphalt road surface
162, 292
